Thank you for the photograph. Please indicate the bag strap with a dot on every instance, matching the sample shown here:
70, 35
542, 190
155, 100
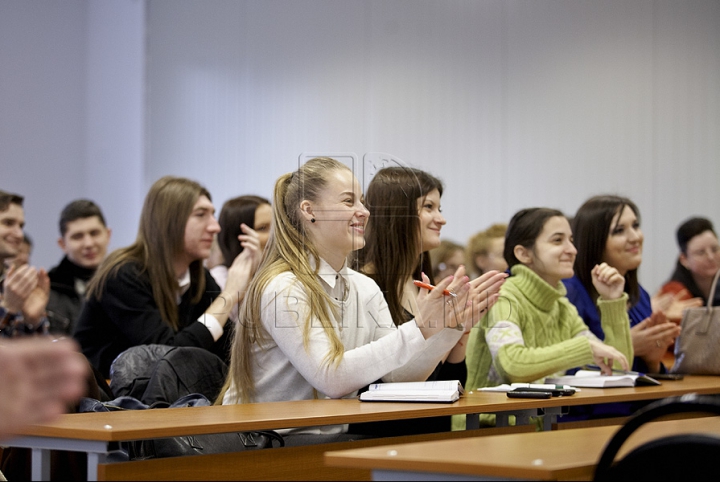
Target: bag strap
703, 327
711, 295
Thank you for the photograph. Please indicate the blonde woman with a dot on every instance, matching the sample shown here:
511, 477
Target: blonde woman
485, 250
311, 327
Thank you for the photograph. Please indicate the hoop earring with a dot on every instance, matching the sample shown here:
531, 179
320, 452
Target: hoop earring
312, 220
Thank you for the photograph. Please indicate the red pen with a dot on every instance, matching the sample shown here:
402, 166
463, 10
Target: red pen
430, 287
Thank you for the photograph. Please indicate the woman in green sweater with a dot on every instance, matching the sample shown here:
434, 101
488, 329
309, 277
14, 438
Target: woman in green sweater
533, 331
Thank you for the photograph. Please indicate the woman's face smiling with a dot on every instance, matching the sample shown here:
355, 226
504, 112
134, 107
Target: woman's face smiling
340, 218
623, 248
431, 220
553, 255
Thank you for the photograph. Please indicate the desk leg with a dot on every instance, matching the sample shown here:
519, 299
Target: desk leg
502, 419
522, 418
472, 421
93, 459
40, 464
551, 415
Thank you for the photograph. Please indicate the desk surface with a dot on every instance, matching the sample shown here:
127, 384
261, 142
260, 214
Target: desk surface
565, 454
132, 425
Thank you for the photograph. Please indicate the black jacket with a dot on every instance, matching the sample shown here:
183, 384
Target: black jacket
126, 315
65, 303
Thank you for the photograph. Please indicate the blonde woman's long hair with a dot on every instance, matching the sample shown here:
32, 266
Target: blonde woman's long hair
289, 248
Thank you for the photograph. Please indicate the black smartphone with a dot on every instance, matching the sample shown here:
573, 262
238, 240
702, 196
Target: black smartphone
555, 392
523, 393
666, 376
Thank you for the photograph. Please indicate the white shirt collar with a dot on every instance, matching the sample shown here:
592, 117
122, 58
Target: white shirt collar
328, 274
183, 284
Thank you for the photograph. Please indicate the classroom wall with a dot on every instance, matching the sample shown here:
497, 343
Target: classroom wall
512, 103
42, 111
72, 84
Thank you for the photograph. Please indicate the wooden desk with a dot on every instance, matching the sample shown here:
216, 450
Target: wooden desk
95, 432
556, 455
499, 403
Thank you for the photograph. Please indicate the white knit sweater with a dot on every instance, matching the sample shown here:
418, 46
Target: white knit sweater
284, 369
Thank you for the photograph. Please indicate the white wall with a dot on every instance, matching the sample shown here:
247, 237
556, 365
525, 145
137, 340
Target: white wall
42, 115
512, 103
72, 112
115, 109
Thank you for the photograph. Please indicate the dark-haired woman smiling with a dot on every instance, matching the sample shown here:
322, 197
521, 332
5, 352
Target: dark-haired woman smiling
405, 224
607, 230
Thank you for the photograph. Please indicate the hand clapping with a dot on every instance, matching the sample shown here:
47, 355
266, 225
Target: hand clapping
472, 299
438, 311
27, 290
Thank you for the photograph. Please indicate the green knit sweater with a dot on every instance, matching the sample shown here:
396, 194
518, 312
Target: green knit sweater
554, 337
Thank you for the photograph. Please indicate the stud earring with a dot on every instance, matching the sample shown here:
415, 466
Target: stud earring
312, 220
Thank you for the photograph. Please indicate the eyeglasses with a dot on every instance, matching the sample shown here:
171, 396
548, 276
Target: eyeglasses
711, 251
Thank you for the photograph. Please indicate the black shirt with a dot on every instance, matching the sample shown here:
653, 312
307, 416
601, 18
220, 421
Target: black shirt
126, 315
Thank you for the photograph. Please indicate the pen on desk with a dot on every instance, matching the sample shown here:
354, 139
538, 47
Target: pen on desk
430, 287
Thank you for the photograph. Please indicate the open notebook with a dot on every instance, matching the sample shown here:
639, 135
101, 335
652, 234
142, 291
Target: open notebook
593, 379
443, 391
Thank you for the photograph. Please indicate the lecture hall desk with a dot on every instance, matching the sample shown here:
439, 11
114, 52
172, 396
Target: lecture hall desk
94, 433
555, 455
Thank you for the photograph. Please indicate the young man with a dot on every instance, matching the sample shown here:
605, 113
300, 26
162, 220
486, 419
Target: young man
23, 290
84, 238
156, 291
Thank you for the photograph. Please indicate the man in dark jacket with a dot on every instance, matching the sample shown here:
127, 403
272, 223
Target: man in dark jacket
84, 238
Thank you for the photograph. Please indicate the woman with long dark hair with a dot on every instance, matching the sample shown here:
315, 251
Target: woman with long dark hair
405, 224
244, 223
606, 229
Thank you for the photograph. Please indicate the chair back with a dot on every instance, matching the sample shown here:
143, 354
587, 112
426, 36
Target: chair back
677, 457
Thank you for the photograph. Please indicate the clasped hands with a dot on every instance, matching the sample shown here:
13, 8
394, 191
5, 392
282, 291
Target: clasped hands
27, 290
462, 311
